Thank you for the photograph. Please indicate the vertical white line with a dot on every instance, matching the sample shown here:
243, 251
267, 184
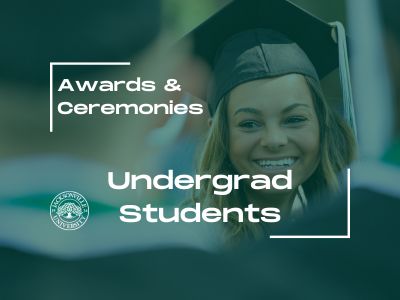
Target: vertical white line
348, 202
51, 97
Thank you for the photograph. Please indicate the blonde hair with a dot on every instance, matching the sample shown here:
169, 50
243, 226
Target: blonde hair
337, 150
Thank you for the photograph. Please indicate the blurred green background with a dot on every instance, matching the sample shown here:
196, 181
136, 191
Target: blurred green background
180, 17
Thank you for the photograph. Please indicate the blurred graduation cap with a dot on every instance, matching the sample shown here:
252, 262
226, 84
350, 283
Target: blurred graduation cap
292, 31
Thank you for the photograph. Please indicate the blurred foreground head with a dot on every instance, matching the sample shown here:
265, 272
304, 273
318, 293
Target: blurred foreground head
36, 33
33, 34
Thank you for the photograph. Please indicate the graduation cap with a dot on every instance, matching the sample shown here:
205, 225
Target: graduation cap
254, 39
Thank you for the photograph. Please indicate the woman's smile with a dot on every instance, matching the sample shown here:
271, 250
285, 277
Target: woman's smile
276, 165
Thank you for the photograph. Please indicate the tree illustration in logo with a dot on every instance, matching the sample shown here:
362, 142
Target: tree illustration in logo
69, 209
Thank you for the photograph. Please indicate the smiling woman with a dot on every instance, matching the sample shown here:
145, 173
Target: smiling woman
270, 116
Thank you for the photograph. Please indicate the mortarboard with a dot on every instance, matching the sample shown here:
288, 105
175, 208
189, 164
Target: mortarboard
283, 36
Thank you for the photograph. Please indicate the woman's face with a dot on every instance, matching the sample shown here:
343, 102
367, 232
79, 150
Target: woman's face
273, 127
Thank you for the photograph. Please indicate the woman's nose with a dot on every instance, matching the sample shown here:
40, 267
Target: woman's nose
273, 138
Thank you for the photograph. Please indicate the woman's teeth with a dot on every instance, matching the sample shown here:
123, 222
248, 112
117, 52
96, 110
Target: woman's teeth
285, 162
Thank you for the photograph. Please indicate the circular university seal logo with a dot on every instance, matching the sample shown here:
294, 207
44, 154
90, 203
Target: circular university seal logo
69, 210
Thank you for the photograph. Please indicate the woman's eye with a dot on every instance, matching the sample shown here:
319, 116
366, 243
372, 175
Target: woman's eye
295, 120
249, 124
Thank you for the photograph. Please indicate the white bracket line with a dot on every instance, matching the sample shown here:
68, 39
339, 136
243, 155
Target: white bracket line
75, 64
347, 236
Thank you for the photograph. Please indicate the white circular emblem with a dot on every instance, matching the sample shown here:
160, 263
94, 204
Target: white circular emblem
69, 210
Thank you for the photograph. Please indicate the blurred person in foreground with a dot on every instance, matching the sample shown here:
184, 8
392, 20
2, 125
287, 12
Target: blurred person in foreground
35, 164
